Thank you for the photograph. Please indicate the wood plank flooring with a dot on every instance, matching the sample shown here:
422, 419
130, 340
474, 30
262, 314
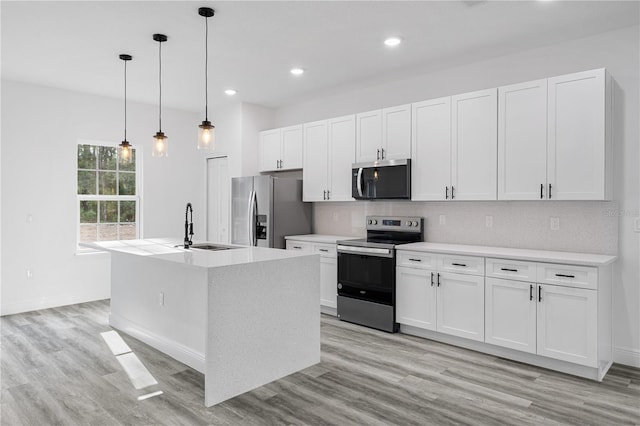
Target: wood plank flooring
57, 369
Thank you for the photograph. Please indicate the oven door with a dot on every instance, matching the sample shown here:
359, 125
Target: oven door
367, 273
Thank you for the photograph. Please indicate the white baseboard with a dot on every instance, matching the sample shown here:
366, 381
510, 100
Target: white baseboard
49, 302
184, 354
626, 356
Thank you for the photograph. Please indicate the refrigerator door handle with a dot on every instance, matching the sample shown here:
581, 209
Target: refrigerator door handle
360, 181
249, 220
254, 219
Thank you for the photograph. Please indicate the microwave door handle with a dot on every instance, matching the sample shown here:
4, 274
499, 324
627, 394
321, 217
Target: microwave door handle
360, 182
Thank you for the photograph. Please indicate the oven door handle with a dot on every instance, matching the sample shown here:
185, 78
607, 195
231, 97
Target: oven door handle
359, 178
367, 251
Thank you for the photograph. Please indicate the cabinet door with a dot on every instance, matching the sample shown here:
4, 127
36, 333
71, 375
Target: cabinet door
567, 324
577, 141
269, 150
510, 314
368, 136
342, 139
315, 166
522, 141
461, 305
291, 148
328, 281
415, 297
474, 145
431, 149
396, 133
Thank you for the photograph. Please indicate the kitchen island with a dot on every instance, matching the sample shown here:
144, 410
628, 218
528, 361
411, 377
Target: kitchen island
244, 316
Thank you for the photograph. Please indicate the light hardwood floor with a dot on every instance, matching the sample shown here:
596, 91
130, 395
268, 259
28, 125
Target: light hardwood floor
57, 369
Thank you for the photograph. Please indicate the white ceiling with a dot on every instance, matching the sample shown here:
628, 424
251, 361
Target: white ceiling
75, 45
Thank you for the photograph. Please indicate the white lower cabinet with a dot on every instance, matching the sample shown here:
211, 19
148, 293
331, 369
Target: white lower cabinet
416, 297
460, 305
567, 324
442, 301
554, 315
328, 270
510, 314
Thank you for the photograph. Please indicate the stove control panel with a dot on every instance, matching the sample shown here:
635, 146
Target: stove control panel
395, 223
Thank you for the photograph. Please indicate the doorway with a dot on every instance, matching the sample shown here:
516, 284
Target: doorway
218, 207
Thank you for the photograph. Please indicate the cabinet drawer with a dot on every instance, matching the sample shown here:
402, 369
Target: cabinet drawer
461, 264
299, 245
511, 269
568, 275
325, 250
416, 259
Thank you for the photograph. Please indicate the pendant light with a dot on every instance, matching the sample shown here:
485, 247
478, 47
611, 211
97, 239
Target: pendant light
124, 149
160, 139
206, 134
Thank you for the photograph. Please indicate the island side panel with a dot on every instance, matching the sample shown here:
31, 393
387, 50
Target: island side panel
264, 324
162, 304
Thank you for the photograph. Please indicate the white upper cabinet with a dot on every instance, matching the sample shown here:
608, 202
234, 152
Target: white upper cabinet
579, 146
474, 145
315, 173
342, 137
522, 141
328, 156
281, 149
431, 149
384, 134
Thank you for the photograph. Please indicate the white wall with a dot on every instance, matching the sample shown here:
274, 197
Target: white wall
585, 225
40, 132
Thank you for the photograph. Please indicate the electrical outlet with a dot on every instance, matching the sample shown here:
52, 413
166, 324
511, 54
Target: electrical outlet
488, 221
637, 224
161, 299
442, 219
555, 223
29, 274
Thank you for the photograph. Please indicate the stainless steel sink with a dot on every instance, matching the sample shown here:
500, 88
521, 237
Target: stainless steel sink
211, 247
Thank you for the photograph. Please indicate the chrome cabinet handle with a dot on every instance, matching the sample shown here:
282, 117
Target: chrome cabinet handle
459, 264
452, 196
446, 192
438, 279
565, 276
540, 293
530, 291
382, 151
432, 279
328, 194
549, 191
541, 189
508, 269
377, 154
324, 195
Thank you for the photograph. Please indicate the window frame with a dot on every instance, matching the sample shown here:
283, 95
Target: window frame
97, 197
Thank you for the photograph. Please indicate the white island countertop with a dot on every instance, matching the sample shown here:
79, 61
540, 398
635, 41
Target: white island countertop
171, 250
319, 238
586, 259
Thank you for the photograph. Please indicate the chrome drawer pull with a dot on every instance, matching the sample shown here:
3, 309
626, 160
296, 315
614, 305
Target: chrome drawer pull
416, 260
459, 264
510, 270
324, 250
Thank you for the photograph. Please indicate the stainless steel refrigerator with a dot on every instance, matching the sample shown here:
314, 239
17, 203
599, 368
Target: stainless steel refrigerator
264, 209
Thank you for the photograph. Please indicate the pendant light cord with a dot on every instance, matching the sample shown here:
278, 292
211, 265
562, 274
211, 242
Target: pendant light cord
206, 68
160, 84
125, 100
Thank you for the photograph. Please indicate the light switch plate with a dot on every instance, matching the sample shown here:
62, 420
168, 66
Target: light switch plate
442, 219
488, 221
555, 223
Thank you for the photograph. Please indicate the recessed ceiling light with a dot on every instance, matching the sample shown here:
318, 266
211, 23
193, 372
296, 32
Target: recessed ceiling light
392, 41
230, 92
297, 71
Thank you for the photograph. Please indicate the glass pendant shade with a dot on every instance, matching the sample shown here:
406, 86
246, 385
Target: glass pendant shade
124, 152
160, 145
206, 136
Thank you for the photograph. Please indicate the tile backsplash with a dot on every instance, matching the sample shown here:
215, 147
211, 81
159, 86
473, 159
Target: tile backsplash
584, 226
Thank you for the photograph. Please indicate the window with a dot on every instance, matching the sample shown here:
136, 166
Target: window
107, 195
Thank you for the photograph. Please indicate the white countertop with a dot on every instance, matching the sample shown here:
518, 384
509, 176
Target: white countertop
165, 249
319, 238
513, 253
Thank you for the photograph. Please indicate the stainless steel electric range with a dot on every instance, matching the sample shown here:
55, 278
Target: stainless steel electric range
367, 271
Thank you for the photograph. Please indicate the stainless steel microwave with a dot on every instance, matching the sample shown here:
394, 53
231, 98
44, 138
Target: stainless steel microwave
381, 180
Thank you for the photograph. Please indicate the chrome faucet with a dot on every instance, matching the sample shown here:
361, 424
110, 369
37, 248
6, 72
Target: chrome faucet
188, 227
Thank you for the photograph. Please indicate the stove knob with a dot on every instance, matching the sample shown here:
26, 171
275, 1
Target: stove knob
370, 221
408, 223
375, 222
415, 223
